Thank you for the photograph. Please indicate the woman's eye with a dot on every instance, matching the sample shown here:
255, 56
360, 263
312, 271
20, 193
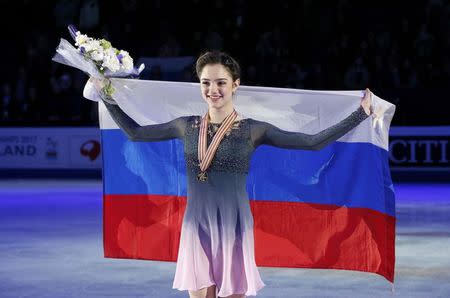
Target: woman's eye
221, 83
206, 83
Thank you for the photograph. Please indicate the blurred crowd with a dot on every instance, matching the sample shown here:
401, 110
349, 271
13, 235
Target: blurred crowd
399, 49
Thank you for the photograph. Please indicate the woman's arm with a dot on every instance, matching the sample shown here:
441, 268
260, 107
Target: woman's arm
265, 133
157, 132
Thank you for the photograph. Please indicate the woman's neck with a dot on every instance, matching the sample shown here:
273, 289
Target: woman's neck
218, 115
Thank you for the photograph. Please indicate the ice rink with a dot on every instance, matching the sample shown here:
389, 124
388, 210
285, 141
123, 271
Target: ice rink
51, 246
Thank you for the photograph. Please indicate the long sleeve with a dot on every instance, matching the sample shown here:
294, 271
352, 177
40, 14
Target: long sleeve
265, 133
157, 132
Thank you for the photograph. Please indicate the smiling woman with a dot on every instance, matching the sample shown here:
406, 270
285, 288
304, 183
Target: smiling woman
216, 254
219, 75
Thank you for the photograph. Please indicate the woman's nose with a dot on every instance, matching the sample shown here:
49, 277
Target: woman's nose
213, 88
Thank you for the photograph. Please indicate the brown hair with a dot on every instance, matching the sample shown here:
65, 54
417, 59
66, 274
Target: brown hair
218, 57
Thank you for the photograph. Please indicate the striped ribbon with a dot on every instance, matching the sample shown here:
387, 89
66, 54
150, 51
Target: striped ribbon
205, 153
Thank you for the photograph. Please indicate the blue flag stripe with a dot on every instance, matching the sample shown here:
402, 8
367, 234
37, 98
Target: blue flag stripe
339, 174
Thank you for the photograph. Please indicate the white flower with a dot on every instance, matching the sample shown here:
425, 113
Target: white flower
81, 38
92, 45
110, 60
97, 55
127, 61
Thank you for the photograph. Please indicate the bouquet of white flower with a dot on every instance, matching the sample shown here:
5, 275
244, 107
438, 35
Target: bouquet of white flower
97, 57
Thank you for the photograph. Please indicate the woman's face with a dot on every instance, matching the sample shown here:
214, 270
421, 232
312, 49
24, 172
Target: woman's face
217, 86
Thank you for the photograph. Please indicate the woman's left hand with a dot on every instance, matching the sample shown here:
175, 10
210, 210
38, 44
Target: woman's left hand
366, 102
98, 83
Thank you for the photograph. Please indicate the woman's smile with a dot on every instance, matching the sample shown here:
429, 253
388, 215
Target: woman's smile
214, 98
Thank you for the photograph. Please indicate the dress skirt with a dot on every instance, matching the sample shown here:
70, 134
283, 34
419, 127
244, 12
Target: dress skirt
217, 244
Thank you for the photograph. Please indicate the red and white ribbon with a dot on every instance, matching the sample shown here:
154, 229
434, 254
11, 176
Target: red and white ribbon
205, 153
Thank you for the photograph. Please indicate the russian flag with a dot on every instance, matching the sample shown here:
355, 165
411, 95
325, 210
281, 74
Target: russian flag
332, 208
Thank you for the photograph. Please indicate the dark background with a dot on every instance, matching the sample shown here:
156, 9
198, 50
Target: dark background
399, 49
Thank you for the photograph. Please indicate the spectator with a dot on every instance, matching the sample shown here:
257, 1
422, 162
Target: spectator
424, 43
213, 40
188, 74
32, 111
89, 15
251, 79
357, 75
393, 54
65, 12
21, 90
171, 47
156, 73
6, 102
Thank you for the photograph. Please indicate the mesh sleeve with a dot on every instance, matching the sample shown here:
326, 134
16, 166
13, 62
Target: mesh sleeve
157, 132
265, 133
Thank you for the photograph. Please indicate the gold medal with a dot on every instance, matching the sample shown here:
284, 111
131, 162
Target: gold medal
202, 176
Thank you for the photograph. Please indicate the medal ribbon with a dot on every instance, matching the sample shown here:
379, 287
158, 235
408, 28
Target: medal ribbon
205, 155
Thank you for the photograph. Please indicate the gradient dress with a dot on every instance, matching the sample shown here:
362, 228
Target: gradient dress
217, 243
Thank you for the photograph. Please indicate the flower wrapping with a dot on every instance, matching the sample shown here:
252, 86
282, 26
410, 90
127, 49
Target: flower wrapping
97, 58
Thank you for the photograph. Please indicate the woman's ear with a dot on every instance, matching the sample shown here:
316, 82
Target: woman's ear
236, 84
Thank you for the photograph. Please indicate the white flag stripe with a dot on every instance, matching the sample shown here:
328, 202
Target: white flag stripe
307, 111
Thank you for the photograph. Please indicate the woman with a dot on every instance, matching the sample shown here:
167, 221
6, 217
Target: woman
216, 252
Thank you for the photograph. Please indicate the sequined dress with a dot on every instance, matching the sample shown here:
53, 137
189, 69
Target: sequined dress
217, 244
